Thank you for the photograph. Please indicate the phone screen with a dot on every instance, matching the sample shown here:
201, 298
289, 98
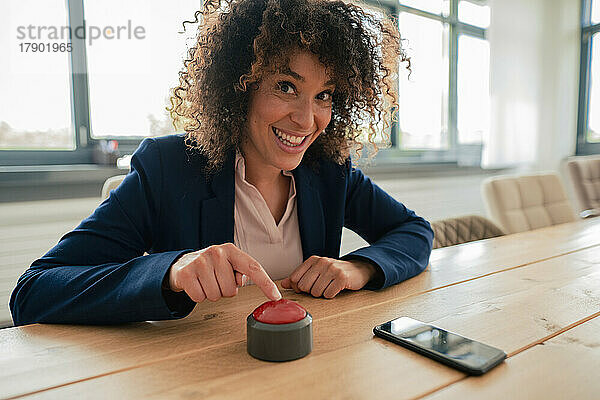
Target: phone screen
448, 347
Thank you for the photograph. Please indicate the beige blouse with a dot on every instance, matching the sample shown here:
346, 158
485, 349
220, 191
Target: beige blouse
277, 247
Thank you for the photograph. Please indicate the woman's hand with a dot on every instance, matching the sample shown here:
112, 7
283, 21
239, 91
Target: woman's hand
217, 271
323, 276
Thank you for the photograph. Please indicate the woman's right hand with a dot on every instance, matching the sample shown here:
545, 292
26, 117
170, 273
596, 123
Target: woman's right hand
217, 271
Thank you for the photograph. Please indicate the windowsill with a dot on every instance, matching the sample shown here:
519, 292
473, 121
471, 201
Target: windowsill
50, 174
401, 170
45, 182
44, 168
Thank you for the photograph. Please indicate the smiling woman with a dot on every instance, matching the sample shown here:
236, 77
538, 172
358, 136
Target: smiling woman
240, 43
272, 100
286, 114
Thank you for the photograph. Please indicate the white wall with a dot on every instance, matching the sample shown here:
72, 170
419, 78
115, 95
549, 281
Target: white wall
560, 60
534, 75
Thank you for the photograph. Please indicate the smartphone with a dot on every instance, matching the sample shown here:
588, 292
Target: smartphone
454, 350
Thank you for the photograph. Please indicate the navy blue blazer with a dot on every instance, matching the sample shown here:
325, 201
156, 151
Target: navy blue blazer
166, 206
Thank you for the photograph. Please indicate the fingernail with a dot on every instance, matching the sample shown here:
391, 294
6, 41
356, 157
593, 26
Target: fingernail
276, 294
244, 280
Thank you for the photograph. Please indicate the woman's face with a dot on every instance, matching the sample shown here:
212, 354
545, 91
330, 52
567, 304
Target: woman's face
288, 111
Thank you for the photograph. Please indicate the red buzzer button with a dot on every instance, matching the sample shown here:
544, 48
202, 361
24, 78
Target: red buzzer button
279, 312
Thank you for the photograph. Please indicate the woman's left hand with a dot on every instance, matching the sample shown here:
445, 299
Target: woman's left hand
323, 276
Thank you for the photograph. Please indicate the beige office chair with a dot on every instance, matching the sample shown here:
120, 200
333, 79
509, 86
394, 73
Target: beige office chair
584, 174
451, 231
110, 184
522, 203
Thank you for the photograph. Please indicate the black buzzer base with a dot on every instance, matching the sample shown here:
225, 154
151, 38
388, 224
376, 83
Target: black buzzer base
279, 342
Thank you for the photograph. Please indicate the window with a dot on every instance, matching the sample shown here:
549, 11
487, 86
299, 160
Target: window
74, 78
474, 12
423, 95
593, 131
114, 82
588, 126
444, 102
130, 79
439, 7
473, 88
35, 106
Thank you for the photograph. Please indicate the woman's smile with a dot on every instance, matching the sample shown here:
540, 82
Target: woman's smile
291, 142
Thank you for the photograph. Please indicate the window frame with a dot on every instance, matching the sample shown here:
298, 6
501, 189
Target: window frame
455, 29
80, 113
584, 147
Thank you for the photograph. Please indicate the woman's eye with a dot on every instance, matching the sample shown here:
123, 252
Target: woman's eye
325, 96
286, 87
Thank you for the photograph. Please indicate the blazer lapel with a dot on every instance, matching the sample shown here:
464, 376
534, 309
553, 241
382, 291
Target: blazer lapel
310, 213
217, 218
217, 213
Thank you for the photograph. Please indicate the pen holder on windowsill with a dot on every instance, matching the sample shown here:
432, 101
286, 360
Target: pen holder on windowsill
106, 152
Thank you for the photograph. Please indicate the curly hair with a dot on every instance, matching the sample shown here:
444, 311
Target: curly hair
241, 41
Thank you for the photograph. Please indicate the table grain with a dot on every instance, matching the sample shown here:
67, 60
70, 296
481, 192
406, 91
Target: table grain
524, 293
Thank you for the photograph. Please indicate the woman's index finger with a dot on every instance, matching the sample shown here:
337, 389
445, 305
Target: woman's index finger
247, 265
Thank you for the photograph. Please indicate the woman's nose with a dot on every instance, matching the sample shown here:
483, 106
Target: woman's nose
303, 115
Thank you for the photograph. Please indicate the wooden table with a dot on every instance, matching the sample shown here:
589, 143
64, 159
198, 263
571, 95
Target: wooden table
536, 295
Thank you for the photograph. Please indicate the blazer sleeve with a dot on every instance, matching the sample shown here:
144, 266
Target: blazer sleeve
400, 241
97, 274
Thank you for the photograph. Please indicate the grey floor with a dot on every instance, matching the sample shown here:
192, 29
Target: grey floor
29, 229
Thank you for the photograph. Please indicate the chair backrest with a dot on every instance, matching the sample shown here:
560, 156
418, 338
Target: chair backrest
451, 231
584, 174
522, 203
110, 184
